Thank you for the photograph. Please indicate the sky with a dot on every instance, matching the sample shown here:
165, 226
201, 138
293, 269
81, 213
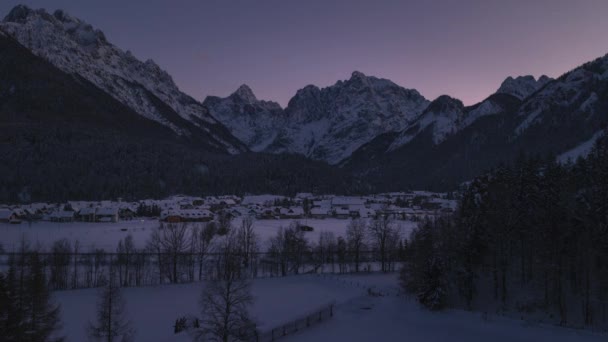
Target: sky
462, 48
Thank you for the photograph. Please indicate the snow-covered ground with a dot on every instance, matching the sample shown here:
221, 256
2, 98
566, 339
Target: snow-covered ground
107, 235
153, 310
358, 316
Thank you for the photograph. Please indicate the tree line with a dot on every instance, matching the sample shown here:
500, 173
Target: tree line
526, 238
188, 252
225, 256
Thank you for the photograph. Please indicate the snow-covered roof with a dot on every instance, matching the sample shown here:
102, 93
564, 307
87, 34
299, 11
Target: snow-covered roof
87, 211
62, 214
107, 211
319, 211
5, 214
336, 201
187, 213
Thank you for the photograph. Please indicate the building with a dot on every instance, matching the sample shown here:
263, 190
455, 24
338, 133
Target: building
6, 215
106, 215
186, 215
87, 214
320, 212
62, 216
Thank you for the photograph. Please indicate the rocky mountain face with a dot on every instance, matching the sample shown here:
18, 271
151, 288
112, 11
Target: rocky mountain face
252, 121
63, 138
77, 48
522, 86
324, 124
81, 115
331, 123
450, 143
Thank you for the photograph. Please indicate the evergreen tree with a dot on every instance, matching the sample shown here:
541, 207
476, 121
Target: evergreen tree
111, 324
43, 319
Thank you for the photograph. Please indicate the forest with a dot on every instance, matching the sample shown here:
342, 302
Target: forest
528, 238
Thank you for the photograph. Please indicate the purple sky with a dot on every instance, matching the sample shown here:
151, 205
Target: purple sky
462, 48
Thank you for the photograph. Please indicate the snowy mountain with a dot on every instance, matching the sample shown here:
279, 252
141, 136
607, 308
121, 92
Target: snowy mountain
575, 96
252, 121
77, 48
331, 123
325, 124
446, 116
522, 86
450, 143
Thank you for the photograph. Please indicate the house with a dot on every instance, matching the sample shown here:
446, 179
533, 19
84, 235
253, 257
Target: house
186, 215
87, 215
126, 213
345, 202
367, 213
291, 213
320, 212
6, 215
106, 215
62, 216
342, 213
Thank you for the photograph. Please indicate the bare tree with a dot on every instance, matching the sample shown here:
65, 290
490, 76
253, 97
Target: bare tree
111, 322
288, 248
326, 248
247, 241
60, 263
382, 231
170, 240
125, 250
224, 223
225, 301
355, 239
75, 275
202, 244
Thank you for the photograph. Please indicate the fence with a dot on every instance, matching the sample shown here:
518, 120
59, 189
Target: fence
314, 318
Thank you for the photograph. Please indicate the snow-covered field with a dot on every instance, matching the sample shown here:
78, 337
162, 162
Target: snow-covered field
107, 235
358, 316
153, 310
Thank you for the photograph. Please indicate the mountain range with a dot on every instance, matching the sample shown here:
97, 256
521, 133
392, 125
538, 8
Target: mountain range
368, 132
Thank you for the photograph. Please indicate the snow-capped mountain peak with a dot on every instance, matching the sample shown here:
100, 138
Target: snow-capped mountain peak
523, 86
253, 121
330, 123
77, 48
245, 94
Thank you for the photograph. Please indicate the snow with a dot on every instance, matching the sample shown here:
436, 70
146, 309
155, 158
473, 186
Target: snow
401, 319
589, 102
522, 86
581, 150
153, 310
252, 121
325, 124
357, 316
76, 47
444, 120
487, 107
106, 235
528, 121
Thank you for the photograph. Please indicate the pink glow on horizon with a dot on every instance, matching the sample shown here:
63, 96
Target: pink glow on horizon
461, 48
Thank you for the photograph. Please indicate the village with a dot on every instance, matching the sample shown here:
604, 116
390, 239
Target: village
180, 208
